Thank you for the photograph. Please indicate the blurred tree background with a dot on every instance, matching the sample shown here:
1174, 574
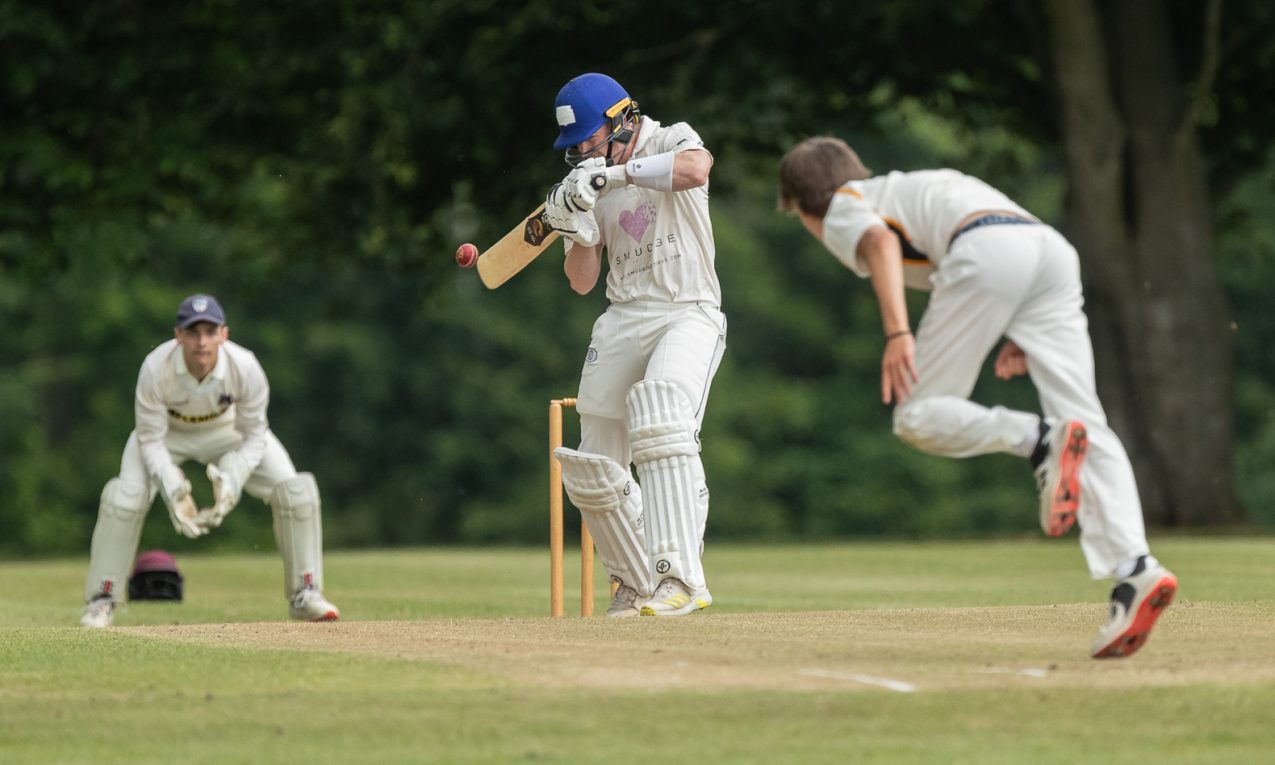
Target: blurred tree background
315, 164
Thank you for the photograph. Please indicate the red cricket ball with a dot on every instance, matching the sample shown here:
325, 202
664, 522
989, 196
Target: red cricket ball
466, 255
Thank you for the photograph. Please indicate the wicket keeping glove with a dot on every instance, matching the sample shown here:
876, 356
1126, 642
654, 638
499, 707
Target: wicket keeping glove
226, 493
575, 224
175, 489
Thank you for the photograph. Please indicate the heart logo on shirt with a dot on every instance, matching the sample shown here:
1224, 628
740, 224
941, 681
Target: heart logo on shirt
636, 222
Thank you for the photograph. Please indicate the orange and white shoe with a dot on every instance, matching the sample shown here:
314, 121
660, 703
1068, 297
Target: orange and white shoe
1136, 603
1057, 460
310, 606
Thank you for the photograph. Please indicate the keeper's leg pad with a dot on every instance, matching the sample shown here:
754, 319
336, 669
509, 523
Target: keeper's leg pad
120, 515
610, 504
298, 530
663, 434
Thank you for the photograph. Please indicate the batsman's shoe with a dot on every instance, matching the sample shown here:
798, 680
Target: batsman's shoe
310, 606
674, 598
624, 603
1136, 603
99, 613
1058, 458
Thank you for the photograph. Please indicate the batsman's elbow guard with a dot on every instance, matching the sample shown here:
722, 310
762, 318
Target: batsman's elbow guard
654, 172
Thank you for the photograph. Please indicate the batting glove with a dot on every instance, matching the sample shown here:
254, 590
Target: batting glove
575, 224
579, 190
601, 177
175, 489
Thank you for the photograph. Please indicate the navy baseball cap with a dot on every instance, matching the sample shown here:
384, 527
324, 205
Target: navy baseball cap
197, 308
584, 104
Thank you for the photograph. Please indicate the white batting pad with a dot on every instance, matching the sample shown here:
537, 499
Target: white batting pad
298, 530
701, 501
662, 434
120, 515
610, 504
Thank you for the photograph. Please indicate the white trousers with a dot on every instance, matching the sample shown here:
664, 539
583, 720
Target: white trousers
631, 342
205, 446
1021, 282
679, 342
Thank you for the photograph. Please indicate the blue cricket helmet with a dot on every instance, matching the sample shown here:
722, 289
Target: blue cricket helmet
586, 103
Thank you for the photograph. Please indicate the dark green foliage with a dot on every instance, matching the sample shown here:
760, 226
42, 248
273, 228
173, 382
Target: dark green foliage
315, 165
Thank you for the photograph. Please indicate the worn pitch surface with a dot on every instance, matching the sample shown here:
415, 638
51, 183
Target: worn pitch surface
904, 650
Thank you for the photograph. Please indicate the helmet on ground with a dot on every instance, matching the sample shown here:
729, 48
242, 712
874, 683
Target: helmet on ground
155, 577
588, 102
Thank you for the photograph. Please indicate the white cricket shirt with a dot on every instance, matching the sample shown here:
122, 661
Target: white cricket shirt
234, 394
922, 207
659, 244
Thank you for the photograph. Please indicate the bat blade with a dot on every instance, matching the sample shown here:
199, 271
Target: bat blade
515, 250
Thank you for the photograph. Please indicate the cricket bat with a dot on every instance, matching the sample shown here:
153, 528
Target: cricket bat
515, 250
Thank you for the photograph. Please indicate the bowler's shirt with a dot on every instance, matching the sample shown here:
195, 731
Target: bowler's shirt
234, 394
659, 244
924, 208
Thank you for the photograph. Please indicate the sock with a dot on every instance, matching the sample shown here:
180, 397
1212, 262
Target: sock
1136, 566
1041, 450
1027, 445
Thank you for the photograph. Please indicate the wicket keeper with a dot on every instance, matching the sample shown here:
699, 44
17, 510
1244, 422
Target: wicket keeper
202, 398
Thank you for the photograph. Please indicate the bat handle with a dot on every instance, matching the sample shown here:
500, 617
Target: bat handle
598, 181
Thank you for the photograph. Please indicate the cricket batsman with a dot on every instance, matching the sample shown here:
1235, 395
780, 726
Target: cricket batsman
637, 196
993, 271
203, 398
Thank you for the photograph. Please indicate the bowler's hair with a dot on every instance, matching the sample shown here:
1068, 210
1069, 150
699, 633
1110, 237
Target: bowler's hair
812, 171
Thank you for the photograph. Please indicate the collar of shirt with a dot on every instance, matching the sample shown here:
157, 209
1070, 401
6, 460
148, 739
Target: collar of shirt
217, 374
646, 130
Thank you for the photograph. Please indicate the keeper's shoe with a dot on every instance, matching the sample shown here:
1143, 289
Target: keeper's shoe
1136, 603
309, 605
1058, 457
674, 598
99, 612
624, 603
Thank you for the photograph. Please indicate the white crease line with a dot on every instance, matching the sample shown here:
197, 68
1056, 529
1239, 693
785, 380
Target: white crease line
883, 682
1028, 671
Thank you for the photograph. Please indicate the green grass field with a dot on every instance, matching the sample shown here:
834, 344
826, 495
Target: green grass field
970, 652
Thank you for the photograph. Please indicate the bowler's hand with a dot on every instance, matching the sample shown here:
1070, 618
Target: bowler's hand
898, 369
1011, 361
